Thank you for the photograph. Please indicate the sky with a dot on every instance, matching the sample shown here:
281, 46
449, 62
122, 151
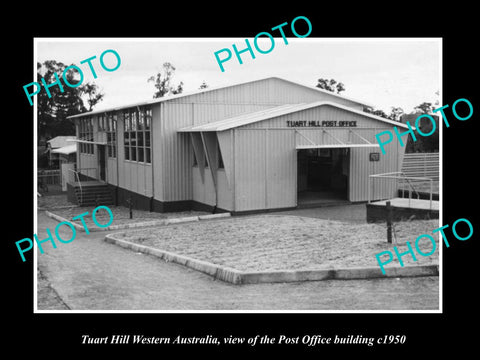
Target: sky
382, 72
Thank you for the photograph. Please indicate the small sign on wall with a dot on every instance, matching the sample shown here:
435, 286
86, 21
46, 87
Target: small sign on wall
374, 156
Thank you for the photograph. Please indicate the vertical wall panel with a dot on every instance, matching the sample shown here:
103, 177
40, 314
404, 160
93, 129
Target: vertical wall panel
281, 169
203, 191
112, 171
176, 152
361, 167
250, 193
224, 192
157, 154
88, 161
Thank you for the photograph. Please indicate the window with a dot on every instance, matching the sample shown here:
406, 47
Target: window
195, 163
102, 122
85, 132
111, 128
126, 134
220, 159
137, 125
148, 125
133, 136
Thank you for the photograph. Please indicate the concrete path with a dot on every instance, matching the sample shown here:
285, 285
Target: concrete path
354, 213
90, 274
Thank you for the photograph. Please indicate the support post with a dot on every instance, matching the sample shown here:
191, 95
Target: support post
389, 222
130, 203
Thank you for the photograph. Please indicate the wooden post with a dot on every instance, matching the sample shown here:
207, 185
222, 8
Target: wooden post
130, 203
389, 222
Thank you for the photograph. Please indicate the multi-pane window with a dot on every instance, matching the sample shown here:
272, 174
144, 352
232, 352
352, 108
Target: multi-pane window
85, 127
102, 122
111, 129
126, 134
137, 126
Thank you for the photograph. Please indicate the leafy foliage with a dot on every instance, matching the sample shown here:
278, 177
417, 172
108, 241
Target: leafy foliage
330, 85
54, 110
162, 82
425, 108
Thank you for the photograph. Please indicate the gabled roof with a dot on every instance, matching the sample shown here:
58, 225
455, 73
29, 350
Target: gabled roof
250, 118
172, 97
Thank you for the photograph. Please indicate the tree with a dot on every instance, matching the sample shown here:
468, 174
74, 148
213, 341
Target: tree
94, 96
376, 112
53, 111
425, 108
330, 85
162, 82
380, 113
396, 113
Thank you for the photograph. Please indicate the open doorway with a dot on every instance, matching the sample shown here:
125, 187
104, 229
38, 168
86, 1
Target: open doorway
322, 175
102, 167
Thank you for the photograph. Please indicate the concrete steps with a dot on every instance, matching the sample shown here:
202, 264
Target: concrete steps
93, 194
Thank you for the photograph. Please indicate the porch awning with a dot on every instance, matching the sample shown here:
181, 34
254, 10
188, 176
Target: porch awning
303, 147
362, 142
88, 141
65, 150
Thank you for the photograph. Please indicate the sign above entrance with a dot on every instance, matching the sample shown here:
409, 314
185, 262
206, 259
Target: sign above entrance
316, 123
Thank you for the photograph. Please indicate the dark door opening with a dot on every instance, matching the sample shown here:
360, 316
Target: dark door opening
101, 162
323, 175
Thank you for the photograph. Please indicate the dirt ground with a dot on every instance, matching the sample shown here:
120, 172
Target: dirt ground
59, 205
276, 242
91, 274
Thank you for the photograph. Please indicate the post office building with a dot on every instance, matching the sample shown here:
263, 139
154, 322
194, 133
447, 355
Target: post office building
257, 146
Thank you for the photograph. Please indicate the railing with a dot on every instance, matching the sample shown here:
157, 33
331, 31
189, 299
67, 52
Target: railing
49, 177
422, 164
400, 176
76, 175
76, 178
46, 178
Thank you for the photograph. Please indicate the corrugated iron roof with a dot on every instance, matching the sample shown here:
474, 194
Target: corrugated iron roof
253, 117
171, 97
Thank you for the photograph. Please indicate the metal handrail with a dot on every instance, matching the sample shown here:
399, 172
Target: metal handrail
79, 183
401, 175
76, 174
411, 186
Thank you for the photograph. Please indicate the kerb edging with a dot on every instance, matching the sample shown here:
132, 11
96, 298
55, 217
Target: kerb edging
234, 276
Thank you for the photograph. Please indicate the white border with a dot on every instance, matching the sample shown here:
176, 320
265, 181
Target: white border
37, 311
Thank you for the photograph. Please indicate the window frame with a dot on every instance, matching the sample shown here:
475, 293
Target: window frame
137, 135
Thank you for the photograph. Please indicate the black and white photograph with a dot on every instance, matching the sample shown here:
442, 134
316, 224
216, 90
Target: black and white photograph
278, 189
231, 190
